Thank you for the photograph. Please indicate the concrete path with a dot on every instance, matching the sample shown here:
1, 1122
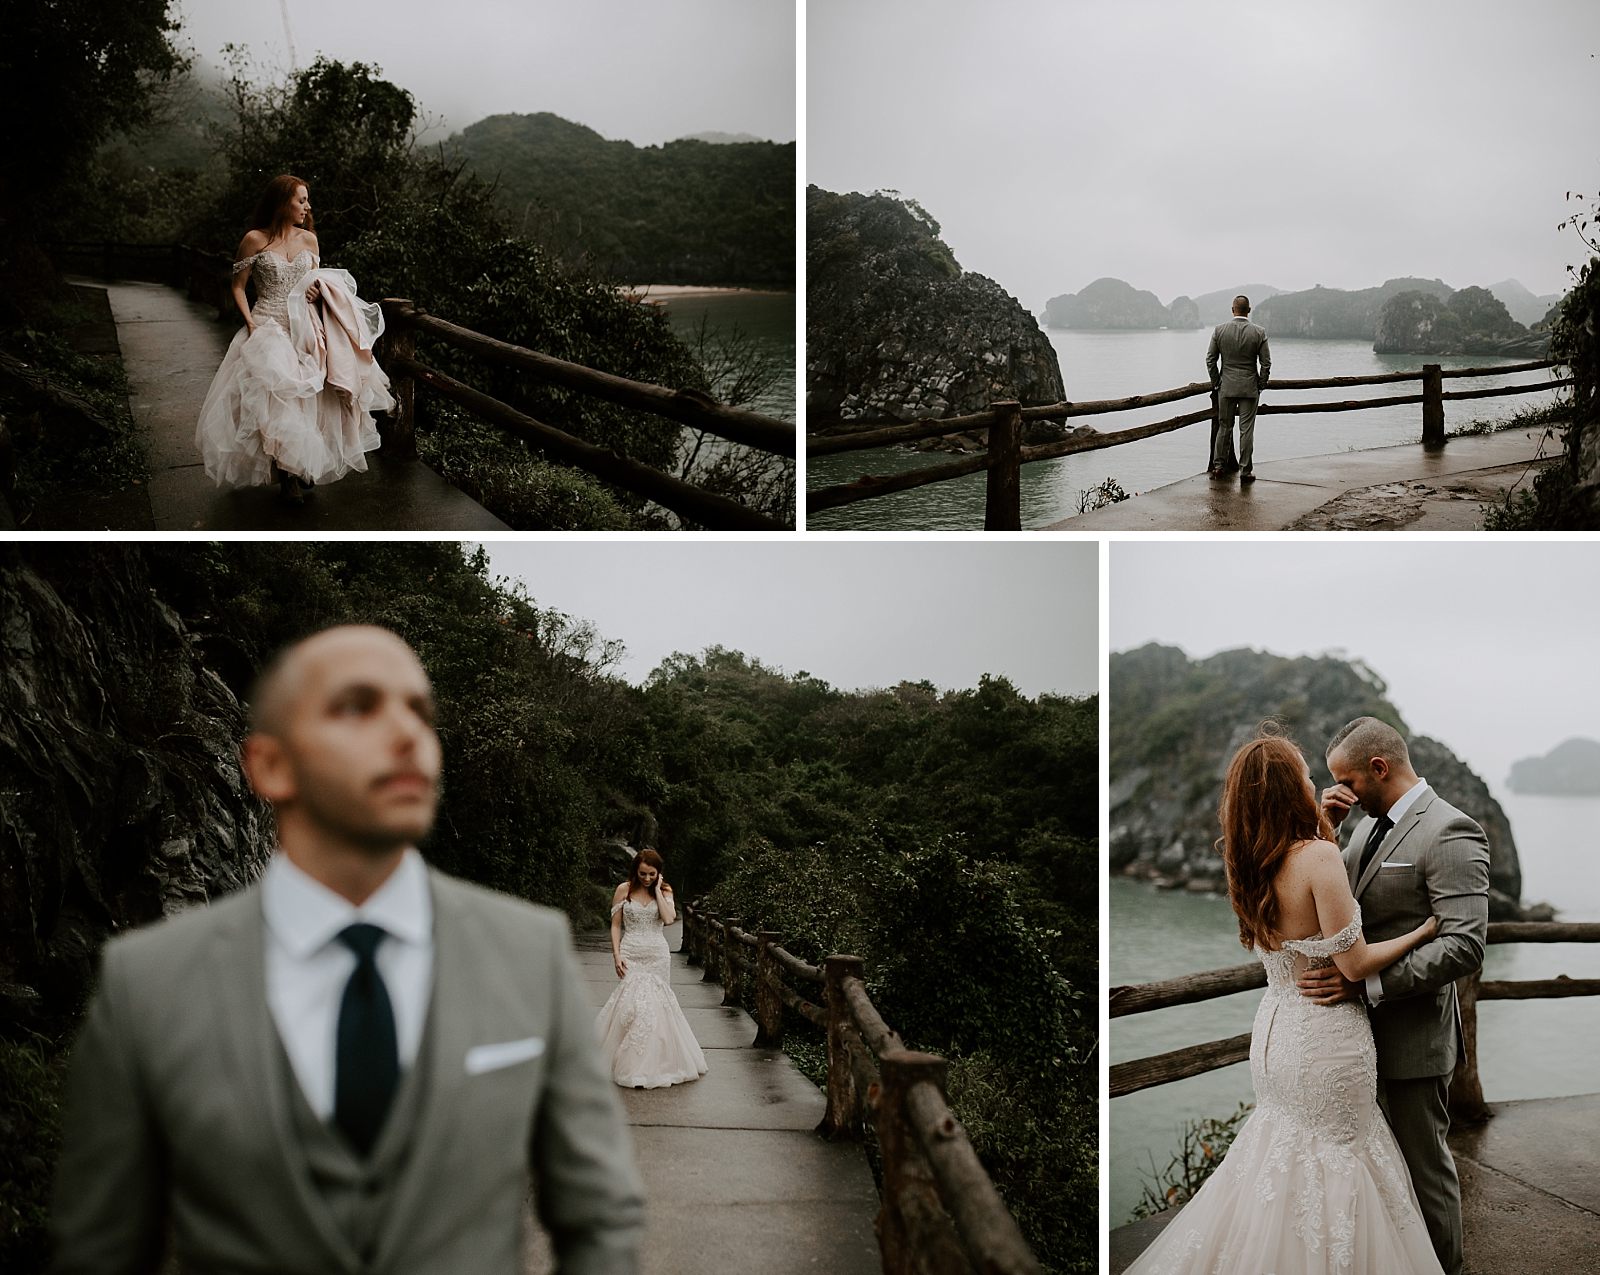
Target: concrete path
171, 348
1530, 1197
734, 1176
1381, 489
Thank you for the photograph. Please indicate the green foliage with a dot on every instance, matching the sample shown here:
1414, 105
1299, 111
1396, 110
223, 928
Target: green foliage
686, 212
1107, 492
1203, 1145
30, 1136
1480, 312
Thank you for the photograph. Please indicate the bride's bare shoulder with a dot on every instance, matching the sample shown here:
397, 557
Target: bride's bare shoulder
1312, 854
253, 242
621, 892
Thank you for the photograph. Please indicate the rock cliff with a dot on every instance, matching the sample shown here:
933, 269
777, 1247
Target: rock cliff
1175, 722
1335, 313
1182, 312
1107, 304
1570, 769
1472, 321
895, 327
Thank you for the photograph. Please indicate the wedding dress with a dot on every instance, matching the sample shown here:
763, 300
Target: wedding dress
301, 388
643, 1033
1314, 1183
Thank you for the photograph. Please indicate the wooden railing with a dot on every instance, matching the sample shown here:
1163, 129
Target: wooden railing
1006, 453
1466, 1090
940, 1214
206, 276
406, 320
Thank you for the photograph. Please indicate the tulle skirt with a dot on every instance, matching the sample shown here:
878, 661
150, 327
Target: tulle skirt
1286, 1201
643, 1034
270, 402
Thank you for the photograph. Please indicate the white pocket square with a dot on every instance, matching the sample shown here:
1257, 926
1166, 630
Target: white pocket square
482, 1058
1397, 865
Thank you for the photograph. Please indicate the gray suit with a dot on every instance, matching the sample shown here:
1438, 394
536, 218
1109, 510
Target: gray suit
181, 1105
1433, 862
1240, 346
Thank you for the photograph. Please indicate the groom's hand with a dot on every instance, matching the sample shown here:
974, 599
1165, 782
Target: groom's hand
1327, 986
1337, 802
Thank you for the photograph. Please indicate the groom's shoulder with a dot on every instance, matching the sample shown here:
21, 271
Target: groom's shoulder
181, 941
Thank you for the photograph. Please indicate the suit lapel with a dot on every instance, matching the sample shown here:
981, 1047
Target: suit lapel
1391, 843
250, 1038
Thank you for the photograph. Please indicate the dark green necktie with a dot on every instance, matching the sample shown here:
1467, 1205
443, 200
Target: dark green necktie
1374, 839
367, 1059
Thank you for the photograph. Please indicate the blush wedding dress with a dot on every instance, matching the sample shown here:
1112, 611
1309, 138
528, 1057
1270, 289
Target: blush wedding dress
643, 1034
301, 389
1314, 1183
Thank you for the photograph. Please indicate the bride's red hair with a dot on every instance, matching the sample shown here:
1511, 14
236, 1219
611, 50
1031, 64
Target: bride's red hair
1267, 808
639, 861
272, 209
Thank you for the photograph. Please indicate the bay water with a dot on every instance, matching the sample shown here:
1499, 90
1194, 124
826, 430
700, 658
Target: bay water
765, 318
1103, 365
1526, 1049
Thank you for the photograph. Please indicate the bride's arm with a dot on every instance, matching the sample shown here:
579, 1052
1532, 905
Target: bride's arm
251, 244
618, 898
1336, 909
665, 903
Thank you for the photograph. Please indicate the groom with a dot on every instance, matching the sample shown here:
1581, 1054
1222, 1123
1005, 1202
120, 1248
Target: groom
1240, 346
358, 1063
1414, 856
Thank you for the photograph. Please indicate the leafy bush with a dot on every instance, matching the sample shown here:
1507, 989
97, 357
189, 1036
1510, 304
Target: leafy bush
30, 1136
1201, 1149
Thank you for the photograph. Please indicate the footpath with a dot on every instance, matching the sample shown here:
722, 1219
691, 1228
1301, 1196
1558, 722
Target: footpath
171, 348
1405, 488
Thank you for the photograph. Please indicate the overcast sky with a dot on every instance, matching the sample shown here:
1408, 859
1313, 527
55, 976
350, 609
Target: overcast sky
1189, 147
868, 614
1487, 646
642, 70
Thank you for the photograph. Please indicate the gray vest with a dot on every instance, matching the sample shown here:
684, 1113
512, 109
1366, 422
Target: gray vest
356, 1191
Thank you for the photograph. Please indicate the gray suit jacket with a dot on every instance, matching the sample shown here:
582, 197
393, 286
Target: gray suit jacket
1240, 345
1434, 862
178, 1108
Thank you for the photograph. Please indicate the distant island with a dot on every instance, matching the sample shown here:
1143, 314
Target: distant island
1399, 316
1570, 769
716, 209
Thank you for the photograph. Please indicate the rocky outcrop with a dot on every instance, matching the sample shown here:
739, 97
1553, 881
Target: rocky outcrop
1175, 722
895, 327
1107, 304
1182, 312
1570, 769
1217, 307
121, 798
1472, 321
1335, 313
1520, 303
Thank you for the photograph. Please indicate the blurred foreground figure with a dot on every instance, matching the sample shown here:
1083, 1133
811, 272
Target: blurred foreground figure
358, 1063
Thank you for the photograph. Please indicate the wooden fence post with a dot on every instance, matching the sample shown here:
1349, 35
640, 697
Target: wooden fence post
731, 974
841, 1120
1466, 1089
1003, 505
713, 934
915, 1234
1432, 405
769, 1005
693, 943
1216, 425
400, 341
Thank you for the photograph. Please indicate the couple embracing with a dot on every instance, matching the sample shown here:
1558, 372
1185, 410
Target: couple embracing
1343, 1166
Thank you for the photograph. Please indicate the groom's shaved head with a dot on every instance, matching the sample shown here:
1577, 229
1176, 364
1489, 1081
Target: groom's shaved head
1241, 304
1365, 738
283, 678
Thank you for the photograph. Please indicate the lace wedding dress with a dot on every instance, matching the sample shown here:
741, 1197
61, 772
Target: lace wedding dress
643, 1033
274, 399
1314, 1183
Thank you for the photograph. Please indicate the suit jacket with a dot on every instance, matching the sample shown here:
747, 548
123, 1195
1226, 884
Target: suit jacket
1434, 862
1240, 345
178, 1107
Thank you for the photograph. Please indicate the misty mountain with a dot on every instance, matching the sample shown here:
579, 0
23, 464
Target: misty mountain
1471, 321
1107, 303
688, 212
1523, 306
1335, 313
1570, 769
721, 139
1217, 307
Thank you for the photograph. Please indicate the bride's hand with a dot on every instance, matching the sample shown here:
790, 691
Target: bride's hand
621, 967
663, 888
1427, 929
313, 291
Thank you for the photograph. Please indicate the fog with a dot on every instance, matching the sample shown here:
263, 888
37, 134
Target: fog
855, 615
1488, 647
1187, 147
632, 69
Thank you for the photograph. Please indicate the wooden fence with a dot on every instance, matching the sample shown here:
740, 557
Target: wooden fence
1006, 453
206, 277
1466, 1090
940, 1214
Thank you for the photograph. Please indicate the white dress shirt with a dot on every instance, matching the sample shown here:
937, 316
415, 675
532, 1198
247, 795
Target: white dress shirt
1395, 813
308, 967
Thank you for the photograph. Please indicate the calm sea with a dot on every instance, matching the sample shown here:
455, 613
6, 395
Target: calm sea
766, 318
1527, 1049
1098, 365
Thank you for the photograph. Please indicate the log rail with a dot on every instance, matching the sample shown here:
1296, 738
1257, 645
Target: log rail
1466, 1090
1005, 453
940, 1214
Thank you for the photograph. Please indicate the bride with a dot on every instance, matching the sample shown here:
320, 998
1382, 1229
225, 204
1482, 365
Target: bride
1314, 1181
293, 400
643, 1033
